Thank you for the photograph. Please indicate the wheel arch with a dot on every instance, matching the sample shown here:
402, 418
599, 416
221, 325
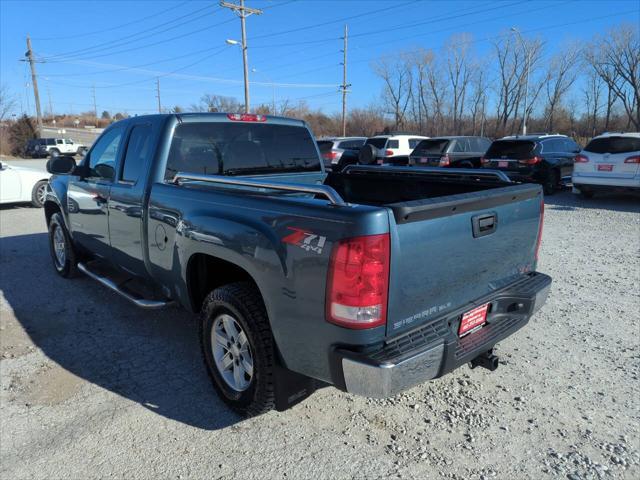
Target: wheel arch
206, 272
50, 207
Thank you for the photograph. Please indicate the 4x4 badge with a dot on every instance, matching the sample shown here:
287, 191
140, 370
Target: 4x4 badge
305, 239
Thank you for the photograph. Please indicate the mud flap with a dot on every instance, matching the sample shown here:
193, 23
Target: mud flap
291, 388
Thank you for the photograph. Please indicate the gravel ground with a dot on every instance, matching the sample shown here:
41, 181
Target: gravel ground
92, 387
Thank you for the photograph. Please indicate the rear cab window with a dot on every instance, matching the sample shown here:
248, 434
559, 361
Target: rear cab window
613, 145
511, 149
239, 148
393, 144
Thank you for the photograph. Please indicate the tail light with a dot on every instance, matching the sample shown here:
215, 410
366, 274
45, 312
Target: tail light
634, 159
540, 225
530, 161
331, 155
484, 160
358, 282
246, 117
388, 153
581, 159
445, 161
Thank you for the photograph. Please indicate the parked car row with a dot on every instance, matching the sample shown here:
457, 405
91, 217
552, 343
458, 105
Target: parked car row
551, 160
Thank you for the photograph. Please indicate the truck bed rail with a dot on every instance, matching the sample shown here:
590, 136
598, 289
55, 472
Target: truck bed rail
324, 190
479, 174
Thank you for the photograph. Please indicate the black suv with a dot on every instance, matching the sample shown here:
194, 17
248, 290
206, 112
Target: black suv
538, 158
461, 152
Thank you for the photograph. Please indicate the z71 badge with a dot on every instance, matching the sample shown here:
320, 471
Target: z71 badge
305, 239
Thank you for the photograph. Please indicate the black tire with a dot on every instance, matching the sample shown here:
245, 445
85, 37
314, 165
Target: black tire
38, 193
54, 152
550, 185
67, 268
586, 193
243, 302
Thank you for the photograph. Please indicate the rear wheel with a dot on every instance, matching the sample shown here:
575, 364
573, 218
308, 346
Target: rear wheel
62, 252
38, 194
550, 184
238, 348
586, 193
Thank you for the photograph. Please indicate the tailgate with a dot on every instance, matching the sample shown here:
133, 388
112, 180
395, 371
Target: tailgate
449, 251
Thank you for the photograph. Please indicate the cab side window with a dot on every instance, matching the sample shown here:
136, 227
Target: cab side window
138, 149
102, 159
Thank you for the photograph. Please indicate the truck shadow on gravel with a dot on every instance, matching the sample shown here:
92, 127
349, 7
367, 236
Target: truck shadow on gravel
566, 200
149, 357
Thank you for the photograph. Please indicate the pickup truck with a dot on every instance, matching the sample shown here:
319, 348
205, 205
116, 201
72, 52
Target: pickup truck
372, 279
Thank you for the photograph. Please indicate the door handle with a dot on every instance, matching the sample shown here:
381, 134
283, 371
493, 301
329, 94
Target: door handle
484, 224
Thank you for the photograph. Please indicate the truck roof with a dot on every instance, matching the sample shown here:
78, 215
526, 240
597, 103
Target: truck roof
217, 117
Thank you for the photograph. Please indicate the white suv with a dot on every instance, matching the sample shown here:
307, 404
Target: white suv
610, 161
44, 147
394, 148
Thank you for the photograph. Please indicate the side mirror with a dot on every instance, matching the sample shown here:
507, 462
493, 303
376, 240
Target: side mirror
61, 165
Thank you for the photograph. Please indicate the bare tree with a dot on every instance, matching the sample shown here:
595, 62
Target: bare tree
561, 74
396, 75
478, 84
514, 62
459, 75
217, 103
616, 59
592, 91
7, 102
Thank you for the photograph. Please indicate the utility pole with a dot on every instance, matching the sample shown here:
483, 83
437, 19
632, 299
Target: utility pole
344, 87
243, 12
34, 82
158, 94
95, 107
50, 104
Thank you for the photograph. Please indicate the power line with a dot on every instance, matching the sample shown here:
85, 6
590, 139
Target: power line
110, 29
395, 7
127, 39
140, 47
120, 67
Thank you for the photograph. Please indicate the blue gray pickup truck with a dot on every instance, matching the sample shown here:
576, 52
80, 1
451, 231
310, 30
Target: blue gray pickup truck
373, 279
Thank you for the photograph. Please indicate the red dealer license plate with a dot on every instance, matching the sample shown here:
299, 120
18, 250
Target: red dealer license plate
605, 168
473, 320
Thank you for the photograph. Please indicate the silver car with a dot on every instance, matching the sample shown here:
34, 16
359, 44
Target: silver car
332, 148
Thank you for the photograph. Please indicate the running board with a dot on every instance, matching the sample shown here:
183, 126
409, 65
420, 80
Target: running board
139, 302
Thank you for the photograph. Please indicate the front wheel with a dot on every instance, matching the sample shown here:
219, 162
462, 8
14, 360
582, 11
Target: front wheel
54, 152
61, 249
39, 193
238, 348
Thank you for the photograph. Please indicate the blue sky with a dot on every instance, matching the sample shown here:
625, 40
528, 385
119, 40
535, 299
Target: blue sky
293, 44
